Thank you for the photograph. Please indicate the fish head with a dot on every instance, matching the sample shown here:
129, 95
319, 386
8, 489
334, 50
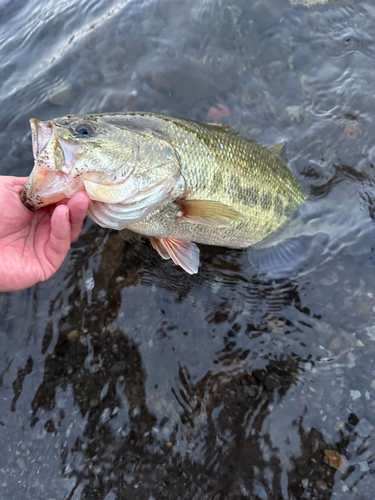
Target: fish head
72, 150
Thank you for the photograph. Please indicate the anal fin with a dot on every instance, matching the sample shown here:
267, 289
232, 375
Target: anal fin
183, 253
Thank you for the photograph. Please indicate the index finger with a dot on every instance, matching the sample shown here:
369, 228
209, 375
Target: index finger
78, 205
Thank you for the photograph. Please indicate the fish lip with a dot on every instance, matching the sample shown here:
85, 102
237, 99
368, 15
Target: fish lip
41, 132
34, 135
25, 193
29, 204
45, 187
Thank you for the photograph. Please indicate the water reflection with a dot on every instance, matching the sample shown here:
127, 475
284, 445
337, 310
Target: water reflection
123, 377
209, 387
197, 410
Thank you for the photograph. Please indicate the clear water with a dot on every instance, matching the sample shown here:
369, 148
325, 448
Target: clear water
123, 377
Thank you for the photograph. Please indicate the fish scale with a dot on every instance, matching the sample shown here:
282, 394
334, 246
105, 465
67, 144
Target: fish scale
223, 166
174, 180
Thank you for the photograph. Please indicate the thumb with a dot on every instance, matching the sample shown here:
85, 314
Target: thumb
58, 244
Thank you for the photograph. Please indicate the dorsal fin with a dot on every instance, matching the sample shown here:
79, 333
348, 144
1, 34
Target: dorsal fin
224, 128
280, 151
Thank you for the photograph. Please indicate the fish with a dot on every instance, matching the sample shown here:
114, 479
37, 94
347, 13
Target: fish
177, 181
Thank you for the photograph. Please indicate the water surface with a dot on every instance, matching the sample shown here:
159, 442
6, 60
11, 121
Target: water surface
124, 377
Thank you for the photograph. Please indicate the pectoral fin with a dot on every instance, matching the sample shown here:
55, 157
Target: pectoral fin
183, 253
208, 213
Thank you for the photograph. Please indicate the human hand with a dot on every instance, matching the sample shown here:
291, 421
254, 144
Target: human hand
33, 245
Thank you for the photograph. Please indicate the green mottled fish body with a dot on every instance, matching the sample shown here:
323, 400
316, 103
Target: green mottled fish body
176, 181
221, 165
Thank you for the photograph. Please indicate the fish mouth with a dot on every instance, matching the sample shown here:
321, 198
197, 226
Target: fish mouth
50, 180
26, 200
41, 132
44, 188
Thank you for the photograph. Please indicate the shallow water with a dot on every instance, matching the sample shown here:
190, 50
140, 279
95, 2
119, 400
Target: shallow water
124, 377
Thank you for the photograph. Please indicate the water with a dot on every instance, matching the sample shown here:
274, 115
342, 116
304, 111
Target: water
124, 377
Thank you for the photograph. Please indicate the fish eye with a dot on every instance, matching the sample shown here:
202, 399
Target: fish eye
84, 129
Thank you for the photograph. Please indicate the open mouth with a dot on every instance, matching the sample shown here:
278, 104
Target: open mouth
50, 180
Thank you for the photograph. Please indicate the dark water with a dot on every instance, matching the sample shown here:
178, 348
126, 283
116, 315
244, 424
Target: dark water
125, 378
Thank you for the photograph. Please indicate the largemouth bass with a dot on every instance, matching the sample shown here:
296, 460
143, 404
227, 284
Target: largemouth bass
177, 181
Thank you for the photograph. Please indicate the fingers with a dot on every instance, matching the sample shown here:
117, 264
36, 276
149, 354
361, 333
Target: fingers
66, 223
15, 183
78, 208
14, 215
58, 244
